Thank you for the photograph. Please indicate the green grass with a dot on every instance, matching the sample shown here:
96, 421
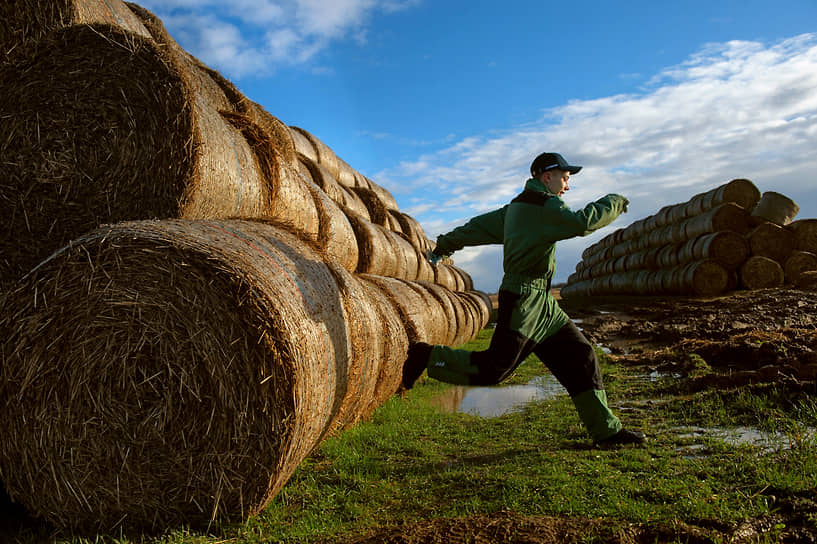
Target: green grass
413, 462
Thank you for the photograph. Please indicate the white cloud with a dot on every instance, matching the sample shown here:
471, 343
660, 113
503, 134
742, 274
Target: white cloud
737, 109
223, 34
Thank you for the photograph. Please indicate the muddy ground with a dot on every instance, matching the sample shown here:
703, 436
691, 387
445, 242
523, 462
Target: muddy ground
745, 337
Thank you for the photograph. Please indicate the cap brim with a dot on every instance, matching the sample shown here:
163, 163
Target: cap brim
573, 169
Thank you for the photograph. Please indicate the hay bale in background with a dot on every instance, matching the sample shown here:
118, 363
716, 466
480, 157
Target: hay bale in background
323, 154
336, 235
378, 213
805, 234
798, 263
140, 325
114, 132
808, 280
772, 241
408, 303
761, 273
775, 208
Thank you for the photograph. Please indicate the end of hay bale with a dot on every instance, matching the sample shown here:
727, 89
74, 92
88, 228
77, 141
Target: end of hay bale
775, 208
761, 273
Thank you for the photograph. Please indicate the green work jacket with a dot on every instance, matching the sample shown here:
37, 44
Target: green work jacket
528, 228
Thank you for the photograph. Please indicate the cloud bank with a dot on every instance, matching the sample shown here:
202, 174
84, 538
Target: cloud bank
733, 110
255, 37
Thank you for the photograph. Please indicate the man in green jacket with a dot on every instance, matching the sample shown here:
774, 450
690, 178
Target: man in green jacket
529, 319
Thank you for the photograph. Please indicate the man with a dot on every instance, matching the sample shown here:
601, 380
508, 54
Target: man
529, 319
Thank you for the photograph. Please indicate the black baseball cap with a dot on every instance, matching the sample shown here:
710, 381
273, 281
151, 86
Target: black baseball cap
551, 161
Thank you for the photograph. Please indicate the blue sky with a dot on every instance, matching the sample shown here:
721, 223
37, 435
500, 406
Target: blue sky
445, 103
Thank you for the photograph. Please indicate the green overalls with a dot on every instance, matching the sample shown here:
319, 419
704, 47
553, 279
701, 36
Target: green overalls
529, 318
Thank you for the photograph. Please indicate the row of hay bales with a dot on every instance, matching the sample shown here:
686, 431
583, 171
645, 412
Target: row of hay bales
127, 125
247, 294
165, 372
730, 237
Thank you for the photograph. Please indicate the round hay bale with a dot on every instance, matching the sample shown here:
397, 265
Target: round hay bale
772, 241
395, 347
775, 208
727, 248
114, 132
377, 211
336, 235
728, 216
761, 273
808, 280
384, 195
209, 84
483, 303
346, 176
411, 228
805, 234
376, 254
741, 192
325, 156
323, 179
443, 297
361, 181
437, 318
467, 280
798, 263
467, 328
409, 304
303, 146
444, 275
179, 373
290, 199
405, 250
702, 278
276, 129
26, 23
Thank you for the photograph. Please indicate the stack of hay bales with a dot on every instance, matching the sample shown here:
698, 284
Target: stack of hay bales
726, 238
247, 294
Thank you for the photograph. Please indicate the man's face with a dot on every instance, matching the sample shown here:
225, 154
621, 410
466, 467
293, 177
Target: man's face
557, 181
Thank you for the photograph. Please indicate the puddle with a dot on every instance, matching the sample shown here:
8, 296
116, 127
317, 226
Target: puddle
766, 442
498, 400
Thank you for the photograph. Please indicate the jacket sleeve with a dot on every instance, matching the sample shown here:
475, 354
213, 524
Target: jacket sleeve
592, 217
483, 229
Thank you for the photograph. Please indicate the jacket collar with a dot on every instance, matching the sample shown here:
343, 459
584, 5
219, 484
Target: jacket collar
536, 185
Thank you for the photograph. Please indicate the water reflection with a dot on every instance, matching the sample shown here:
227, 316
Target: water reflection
498, 400
766, 442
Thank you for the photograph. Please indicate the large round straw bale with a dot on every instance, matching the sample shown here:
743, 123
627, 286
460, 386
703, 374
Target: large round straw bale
325, 155
336, 235
408, 303
775, 208
437, 318
467, 281
728, 216
805, 234
483, 304
367, 343
26, 22
346, 176
113, 132
741, 192
411, 228
394, 338
443, 297
772, 241
290, 199
405, 252
204, 81
378, 213
761, 273
445, 276
384, 195
468, 327
159, 373
727, 248
375, 252
797, 263
303, 145
703, 278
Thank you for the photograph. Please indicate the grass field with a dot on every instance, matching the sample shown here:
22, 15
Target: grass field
413, 462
